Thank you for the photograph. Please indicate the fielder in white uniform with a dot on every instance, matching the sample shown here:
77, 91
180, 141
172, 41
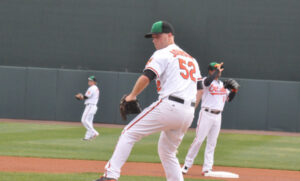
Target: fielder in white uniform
176, 74
209, 121
91, 98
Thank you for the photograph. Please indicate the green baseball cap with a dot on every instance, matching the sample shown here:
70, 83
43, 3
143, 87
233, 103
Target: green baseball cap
160, 27
212, 66
93, 78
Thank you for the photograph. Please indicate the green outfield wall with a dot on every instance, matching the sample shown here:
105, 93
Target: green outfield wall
48, 94
257, 39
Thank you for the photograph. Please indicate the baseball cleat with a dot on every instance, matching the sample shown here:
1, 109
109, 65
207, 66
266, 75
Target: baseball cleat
95, 135
90, 138
184, 169
205, 172
106, 179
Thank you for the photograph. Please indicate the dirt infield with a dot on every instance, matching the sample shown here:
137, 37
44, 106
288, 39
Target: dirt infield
45, 165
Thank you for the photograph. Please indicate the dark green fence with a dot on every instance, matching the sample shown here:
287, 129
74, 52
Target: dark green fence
48, 94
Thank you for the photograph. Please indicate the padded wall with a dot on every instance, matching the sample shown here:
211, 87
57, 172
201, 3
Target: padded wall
48, 94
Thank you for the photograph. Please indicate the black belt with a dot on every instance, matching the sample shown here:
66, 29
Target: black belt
212, 111
177, 99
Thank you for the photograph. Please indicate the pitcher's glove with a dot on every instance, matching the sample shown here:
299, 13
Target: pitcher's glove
79, 96
231, 84
131, 107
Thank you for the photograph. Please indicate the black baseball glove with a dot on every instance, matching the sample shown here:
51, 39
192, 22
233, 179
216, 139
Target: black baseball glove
231, 84
131, 107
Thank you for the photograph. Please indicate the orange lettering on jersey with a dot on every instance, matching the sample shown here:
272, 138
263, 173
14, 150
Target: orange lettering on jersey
214, 90
182, 66
179, 52
193, 71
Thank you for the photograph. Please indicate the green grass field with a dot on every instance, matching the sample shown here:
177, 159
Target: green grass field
71, 177
64, 141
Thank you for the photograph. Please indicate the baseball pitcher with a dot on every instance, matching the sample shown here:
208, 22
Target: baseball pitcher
91, 98
176, 74
215, 94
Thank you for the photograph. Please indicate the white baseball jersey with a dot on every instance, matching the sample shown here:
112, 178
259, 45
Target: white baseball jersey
209, 125
93, 95
215, 95
176, 75
176, 72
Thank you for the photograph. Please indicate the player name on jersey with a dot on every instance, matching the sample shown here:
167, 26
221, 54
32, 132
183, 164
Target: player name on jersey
176, 72
217, 90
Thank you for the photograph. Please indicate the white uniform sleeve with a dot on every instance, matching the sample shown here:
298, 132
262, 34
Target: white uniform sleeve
89, 92
157, 64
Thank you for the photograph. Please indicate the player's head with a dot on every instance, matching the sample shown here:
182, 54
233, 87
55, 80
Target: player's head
212, 67
92, 80
162, 34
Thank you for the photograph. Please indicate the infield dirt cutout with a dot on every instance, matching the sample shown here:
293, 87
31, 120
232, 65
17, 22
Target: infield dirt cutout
47, 165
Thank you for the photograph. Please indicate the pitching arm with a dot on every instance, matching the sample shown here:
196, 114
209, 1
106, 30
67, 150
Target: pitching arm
142, 82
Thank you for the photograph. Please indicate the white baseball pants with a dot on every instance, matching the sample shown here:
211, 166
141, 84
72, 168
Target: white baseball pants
87, 120
170, 118
209, 126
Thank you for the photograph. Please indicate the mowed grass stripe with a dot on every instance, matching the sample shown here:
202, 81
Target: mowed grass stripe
8, 176
64, 141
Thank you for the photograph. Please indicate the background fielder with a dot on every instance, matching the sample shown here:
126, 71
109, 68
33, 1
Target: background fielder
91, 98
209, 122
176, 74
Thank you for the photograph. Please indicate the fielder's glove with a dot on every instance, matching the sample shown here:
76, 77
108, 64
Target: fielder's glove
131, 107
79, 96
231, 84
